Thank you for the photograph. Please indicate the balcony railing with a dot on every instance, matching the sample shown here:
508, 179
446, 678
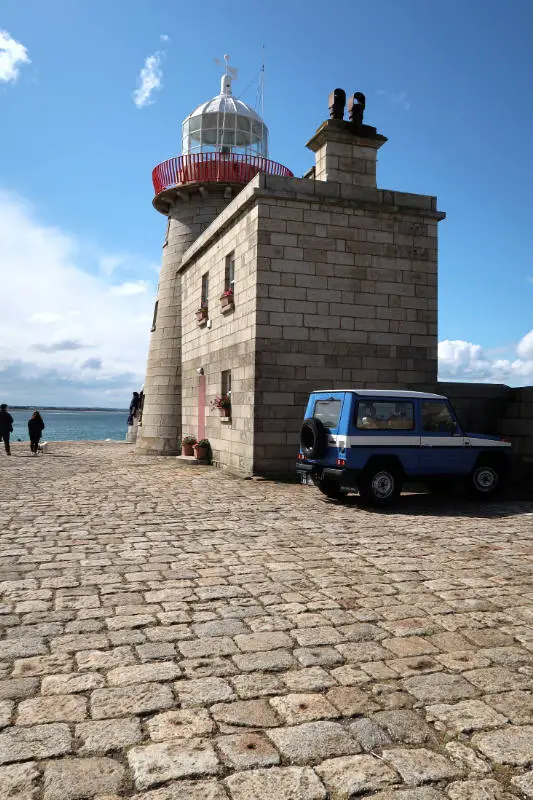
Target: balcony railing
213, 168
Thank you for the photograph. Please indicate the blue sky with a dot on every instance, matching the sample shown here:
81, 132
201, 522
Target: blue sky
450, 86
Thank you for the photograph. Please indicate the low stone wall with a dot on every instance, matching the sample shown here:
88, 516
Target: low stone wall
497, 409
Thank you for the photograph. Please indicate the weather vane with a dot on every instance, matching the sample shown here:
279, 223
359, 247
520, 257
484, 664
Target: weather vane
232, 71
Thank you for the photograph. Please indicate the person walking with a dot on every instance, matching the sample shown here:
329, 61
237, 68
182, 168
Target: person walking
6, 427
35, 429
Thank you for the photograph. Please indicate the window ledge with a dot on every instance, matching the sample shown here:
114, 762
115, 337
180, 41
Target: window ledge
225, 420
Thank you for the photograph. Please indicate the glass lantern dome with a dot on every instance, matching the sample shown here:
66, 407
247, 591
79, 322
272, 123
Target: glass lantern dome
225, 125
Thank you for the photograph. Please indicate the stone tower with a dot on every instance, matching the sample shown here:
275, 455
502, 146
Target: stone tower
224, 145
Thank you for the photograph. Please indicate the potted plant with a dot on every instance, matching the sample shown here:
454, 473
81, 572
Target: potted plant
187, 445
223, 403
201, 449
202, 313
227, 300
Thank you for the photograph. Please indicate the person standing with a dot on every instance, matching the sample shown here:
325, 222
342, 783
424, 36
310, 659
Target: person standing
35, 429
6, 426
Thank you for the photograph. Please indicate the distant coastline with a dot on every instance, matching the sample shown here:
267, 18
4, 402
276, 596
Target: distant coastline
68, 408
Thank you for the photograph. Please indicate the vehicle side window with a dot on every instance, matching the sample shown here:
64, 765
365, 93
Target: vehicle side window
384, 416
328, 412
436, 418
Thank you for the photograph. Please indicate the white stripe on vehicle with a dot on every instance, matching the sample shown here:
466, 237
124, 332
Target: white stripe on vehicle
388, 440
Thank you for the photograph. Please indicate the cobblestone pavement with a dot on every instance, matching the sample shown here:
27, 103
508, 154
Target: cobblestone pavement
171, 632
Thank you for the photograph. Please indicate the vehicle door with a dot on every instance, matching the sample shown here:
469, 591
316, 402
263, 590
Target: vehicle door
384, 427
328, 409
444, 450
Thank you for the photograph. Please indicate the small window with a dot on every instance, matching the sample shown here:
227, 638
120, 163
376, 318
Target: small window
436, 418
380, 415
226, 383
229, 273
155, 316
328, 412
205, 290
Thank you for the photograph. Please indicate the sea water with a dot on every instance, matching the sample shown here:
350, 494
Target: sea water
69, 425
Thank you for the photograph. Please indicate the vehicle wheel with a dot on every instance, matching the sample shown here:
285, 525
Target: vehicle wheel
330, 488
486, 480
380, 486
313, 438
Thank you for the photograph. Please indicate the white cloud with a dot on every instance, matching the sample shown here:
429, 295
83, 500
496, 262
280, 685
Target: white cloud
12, 53
149, 80
63, 333
164, 37
129, 288
464, 361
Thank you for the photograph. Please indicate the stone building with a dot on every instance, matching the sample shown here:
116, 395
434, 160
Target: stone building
272, 286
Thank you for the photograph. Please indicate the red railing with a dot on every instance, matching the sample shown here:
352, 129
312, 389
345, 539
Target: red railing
213, 168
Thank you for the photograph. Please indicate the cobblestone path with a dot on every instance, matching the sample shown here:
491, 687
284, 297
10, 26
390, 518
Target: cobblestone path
173, 633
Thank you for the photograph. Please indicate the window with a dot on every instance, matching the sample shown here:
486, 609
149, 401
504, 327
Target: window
155, 316
229, 273
226, 383
436, 418
328, 412
205, 290
384, 416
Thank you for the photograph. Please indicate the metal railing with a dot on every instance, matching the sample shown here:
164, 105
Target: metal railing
213, 168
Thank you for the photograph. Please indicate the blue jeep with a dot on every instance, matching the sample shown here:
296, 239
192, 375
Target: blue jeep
374, 440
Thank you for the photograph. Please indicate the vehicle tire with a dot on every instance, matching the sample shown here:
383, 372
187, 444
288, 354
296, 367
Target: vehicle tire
486, 479
330, 488
313, 438
380, 485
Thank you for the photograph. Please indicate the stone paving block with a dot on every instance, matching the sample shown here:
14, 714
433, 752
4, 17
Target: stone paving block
440, 686
362, 632
345, 778
206, 667
313, 741
516, 705
247, 750
203, 691
369, 734
467, 758
139, 699
19, 781
17, 688
105, 659
270, 660
295, 708
143, 673
247, 713
105, 735
486, 789
465, 716
524, 783
60, 708
420, 793
414, 665
6, 712
310, 637
405, 726
199, 648
349, 675
308, 679
220, 627
355, 652
185, 723
42, 665
498, 679
169, 633
185, 790
281, 783
76, 778
40, 741
21, 648
350, 700
72, 642
71, 683
462, 660
257, 684
408, 646
255, 642
155, 651
156, 763
318, 656
510, 745
421, 766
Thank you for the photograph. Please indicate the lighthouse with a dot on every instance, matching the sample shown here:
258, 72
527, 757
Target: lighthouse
224, 145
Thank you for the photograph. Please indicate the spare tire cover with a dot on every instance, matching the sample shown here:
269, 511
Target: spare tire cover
313, 438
